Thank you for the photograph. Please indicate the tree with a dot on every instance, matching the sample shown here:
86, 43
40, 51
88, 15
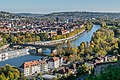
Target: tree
9, 73
54, 78
37, 38
40, 74
14, 39
2, 76
103, 24
82, 45
58, 76
80, 71
115, 52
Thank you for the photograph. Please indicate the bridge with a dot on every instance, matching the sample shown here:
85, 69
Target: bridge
38, 46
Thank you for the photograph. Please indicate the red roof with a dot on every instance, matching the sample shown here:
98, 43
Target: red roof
33, 63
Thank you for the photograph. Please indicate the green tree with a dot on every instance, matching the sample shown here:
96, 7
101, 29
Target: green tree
103, 24
14, 39
54, 78
40, 74
9, 73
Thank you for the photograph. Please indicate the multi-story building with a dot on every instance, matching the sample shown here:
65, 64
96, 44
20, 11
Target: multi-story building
41, 66
44, 66
34, 67
7, 54
3, 56
53, 63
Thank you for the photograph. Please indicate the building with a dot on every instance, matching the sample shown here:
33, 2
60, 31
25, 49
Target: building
60, 61
57, 19
53, 63
3, 56
7, 54
34, 67
41, 66
65, 32
69, 20
59, 31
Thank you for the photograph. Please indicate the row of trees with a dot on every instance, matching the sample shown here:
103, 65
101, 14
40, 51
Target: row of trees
87, 26
78, 30
22, 37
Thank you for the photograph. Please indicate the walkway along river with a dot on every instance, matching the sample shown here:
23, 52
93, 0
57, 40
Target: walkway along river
86, 36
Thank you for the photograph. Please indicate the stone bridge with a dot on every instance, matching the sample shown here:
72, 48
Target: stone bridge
38, 46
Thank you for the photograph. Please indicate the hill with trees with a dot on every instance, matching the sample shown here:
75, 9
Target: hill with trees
110, 73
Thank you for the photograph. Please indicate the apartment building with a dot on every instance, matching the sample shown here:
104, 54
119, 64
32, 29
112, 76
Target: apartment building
41, 66
34, 67
7, 54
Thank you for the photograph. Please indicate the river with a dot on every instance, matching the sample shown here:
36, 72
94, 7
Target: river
86, 36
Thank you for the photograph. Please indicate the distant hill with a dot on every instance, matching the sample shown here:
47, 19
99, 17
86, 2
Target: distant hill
76, 14
29, 15
84, 14
7, 15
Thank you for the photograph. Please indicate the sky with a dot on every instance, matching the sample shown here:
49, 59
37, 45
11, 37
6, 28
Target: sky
49, 6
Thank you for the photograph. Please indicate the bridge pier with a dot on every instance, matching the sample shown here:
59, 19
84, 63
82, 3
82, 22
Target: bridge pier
53, 51
38, 50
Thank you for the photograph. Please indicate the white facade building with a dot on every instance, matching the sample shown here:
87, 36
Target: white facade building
34, 67
41, 66
53, 63
4, 55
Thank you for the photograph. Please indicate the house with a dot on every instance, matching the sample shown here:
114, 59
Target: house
65, 32
59, 31
53, 63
